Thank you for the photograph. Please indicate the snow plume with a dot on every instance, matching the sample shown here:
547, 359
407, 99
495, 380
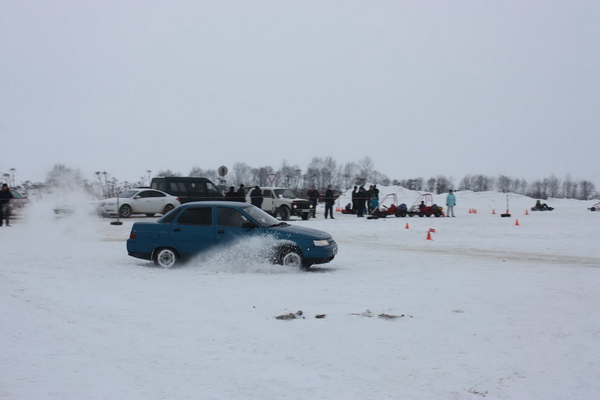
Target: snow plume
252, 254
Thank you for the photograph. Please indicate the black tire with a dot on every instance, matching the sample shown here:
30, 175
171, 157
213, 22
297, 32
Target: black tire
290, 256
438, 214
168, 208
421, 214
125, 211
166, 257
283, 213
401, 213
150, 215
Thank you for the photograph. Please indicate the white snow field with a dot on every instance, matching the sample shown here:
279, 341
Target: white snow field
487, 309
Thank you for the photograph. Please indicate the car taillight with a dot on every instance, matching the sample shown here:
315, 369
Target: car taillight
132, 235
177, 198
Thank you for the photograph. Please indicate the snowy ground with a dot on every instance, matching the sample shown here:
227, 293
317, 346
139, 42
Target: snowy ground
487, 309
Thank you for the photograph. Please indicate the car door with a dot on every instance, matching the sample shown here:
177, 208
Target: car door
142, 202
193, 231
157, 202
232, 225
268, 201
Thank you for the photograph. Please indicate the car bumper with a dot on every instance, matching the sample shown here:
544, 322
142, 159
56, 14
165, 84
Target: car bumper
321, 254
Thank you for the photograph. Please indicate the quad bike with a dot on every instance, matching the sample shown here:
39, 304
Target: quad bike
424, 207
595, 207
383, 211
542, 207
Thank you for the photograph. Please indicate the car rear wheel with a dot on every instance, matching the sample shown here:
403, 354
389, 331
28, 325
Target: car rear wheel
165, 258
168, 208
125, 211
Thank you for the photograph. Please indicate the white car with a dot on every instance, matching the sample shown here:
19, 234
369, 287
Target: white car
139, 201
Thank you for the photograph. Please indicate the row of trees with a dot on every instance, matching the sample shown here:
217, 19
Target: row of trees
322, 172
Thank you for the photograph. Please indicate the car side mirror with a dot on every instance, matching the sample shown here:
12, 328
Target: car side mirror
249, 225
136, 197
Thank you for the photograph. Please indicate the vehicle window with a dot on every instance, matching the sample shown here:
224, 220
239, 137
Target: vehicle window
212, 189
155, 194
284, 194
196, 187
177, 187
129, 193
230, 217
261, 217
196, 216
144, 194
266, 193
16, 195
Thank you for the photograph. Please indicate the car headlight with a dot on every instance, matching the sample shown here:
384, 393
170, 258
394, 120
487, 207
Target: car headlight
295, 206
320, 243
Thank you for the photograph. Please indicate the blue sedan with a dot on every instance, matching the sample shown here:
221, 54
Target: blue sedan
199, 226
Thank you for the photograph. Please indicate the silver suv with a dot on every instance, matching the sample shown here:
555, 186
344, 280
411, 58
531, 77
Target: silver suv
283, 203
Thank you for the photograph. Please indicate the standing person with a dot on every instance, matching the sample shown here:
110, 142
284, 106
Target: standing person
231, 195
329, 202
5, 196
241, 193
354, 193
361, 198
256, 196
450, 203
313, 196
368, 195
374, 202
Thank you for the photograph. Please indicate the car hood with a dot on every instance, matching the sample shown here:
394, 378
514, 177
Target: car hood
298, 232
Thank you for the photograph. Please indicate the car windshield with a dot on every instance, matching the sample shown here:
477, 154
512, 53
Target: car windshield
261, 217
129, 193
16, 195
284, 194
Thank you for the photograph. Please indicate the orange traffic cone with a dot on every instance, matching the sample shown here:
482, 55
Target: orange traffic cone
493, 211
517, 223
470, 211
406, 226
526, 212
429, 236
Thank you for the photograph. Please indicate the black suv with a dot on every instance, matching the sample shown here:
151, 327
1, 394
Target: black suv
187, 188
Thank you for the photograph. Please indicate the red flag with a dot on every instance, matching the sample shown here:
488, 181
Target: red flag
431, 230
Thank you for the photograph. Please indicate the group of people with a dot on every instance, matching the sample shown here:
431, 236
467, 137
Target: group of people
5, 196
239, 195
364, 201
329, 198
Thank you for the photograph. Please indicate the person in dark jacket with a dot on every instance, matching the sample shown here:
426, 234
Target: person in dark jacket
5, 196
361, 199
354, 193
241, 193
329, 202
231, 195
313, 196
256, 196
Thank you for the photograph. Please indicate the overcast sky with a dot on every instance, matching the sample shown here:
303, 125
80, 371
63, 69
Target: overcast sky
422, 87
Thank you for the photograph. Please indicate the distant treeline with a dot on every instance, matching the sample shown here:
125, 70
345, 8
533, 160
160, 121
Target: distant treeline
320, 173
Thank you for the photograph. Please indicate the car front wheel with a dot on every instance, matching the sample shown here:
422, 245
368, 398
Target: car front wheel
165, 258
284, 213
292, 258
125, 211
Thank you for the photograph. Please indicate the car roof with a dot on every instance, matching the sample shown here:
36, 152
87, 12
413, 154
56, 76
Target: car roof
218, 203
